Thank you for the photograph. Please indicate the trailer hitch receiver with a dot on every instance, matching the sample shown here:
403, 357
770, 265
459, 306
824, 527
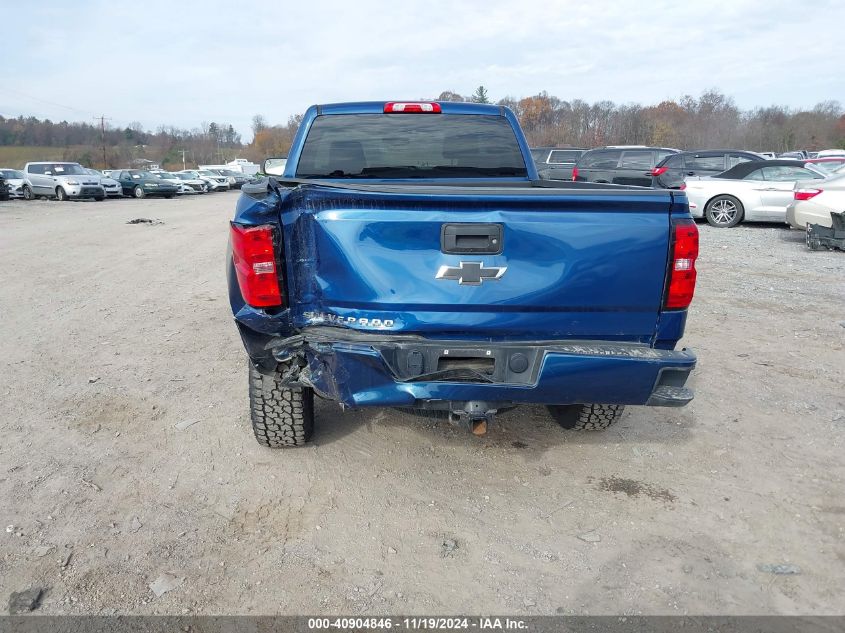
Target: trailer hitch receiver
475, 415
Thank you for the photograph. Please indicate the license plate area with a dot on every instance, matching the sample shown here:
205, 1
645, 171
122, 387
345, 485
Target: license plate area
462, 365
505, 364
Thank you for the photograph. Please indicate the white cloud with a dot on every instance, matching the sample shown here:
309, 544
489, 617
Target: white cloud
183, 63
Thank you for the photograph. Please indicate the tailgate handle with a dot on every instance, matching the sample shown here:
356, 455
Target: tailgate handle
468, 239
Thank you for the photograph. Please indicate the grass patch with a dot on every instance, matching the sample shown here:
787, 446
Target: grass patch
16, 157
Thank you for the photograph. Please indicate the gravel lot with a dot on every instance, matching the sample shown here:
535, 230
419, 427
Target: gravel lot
114, 334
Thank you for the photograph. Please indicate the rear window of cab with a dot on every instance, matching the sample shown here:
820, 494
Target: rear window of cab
411, 146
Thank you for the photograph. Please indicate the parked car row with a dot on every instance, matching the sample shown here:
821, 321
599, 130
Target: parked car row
724, 186
70, 181
661, 167
655, 166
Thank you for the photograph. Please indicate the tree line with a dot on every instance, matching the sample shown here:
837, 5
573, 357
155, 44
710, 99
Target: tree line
710, 120
85, 142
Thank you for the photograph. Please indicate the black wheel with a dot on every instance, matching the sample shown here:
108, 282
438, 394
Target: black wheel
586, 417
138, 192
281, 417
61, 194
724, 212
27, 193
99, 198
168, 196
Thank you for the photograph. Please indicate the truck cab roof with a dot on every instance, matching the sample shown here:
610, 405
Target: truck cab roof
377, 107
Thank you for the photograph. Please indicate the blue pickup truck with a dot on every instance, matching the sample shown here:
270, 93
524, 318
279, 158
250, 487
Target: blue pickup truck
409, 256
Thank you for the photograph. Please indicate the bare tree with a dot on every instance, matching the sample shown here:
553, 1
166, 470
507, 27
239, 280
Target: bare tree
258, 123
448, 95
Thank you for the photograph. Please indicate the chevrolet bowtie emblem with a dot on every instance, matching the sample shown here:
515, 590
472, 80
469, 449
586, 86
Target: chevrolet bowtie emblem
470, 273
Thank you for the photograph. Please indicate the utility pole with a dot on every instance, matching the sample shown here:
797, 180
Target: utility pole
103, 120
183, 157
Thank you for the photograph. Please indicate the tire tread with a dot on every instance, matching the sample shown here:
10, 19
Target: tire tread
281, 417
587, 417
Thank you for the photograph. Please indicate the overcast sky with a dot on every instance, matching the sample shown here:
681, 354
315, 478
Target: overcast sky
182, 63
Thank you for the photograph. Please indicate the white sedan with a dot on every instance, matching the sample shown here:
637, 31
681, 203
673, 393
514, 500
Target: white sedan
18, 183
814, 200
197, 184
110, 185
182, 186
215, 183
757, 191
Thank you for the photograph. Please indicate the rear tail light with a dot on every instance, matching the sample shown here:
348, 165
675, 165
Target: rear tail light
659, 170
681, 286
806, 194
683, 186
397, 107
254, 258
574, 173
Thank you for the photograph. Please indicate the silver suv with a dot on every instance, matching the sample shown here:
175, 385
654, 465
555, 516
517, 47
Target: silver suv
64, 181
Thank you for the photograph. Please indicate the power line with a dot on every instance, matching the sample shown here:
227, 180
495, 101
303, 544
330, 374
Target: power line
103, 118
52, 103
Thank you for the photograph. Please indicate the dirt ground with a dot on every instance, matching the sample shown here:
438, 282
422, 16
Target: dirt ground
114, 334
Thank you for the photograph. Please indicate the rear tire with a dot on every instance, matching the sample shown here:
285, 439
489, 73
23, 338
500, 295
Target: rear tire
99, 198
27, 193
281, 417
586, 417
61, 194
724, 212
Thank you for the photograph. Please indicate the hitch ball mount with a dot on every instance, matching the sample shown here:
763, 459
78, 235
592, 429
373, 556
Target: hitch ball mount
475, 415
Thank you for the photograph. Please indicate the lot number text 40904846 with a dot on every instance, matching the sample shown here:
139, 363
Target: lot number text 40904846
417, 623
